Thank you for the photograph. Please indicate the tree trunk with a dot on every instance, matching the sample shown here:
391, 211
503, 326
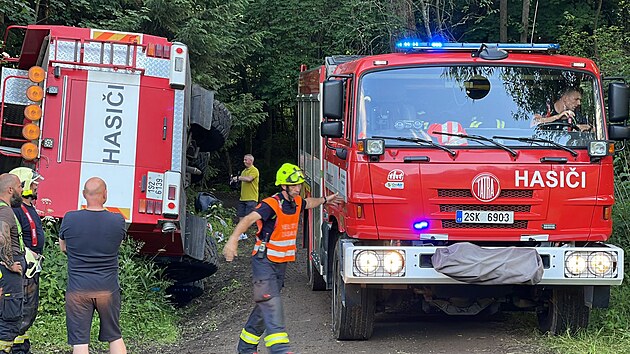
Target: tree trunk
424, 9
503, 20
597, 14
525, 21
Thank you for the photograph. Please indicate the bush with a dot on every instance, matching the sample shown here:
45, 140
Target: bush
146, 315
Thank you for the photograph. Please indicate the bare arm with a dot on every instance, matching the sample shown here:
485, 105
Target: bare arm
332, 199
6, 256
62, 245
231, 246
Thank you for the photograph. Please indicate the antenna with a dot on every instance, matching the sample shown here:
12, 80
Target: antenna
534, 24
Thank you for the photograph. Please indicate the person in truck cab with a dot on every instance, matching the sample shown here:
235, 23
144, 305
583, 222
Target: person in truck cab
564, 110
277, 218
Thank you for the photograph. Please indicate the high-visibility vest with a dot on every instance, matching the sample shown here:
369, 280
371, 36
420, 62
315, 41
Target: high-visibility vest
280, 247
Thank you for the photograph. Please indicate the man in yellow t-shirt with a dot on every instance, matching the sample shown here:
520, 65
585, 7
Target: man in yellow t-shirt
249, 187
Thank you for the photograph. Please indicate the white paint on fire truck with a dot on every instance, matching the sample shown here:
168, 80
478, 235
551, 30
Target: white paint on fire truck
396, 175
395, 185
336, 179
110, 136
550, 179
343, 184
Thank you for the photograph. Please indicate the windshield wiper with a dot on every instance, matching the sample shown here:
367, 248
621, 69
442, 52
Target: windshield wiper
418, 141
480, 138
539, 141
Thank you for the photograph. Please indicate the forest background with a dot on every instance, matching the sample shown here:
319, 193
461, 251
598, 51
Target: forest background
250, 52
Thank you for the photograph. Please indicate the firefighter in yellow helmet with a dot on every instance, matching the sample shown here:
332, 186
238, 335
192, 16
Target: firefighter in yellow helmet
33, 236
277, 218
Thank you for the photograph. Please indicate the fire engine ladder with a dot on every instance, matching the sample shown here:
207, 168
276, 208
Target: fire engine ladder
14, 84
10, 116
95, 53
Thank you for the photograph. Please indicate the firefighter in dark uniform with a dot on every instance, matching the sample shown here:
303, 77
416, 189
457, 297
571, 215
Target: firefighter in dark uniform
11, 260
277, 217
33, 235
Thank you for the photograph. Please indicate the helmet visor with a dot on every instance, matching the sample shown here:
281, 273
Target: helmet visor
296, 177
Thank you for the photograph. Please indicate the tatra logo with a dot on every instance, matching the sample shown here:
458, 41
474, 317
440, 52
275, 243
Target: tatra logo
485, 187
396, 175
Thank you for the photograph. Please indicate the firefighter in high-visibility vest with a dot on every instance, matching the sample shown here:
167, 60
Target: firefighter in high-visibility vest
11, 262
33, 236
277, 217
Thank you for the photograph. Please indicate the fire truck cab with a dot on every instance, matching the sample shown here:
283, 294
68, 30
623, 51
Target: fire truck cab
81, 102
470, 181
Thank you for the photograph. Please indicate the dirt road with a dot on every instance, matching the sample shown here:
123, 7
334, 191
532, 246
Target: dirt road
214, 321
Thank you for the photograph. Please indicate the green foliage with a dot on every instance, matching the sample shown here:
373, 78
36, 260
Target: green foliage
146, 315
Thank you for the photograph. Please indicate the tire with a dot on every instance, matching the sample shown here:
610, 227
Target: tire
351, 321
211, 254
214, 138
201, 162
183, 293
564, 311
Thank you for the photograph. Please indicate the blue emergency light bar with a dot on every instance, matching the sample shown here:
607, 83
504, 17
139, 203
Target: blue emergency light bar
415, 45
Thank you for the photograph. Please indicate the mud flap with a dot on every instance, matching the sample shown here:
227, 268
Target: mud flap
195, 236
201, 257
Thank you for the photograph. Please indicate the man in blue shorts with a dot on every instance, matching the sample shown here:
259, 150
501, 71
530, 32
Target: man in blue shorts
91, 238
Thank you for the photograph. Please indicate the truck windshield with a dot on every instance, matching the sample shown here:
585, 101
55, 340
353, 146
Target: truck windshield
556, 105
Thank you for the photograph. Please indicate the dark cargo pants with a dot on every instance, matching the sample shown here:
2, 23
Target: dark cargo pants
267, 315
22, 343
10, 306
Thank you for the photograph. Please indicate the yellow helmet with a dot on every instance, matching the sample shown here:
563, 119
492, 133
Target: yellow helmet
27, 176
289, 174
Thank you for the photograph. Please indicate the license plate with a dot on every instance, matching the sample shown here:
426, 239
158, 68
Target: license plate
155, 185
484, 217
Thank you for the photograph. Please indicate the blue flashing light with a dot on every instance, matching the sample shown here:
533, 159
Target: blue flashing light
420, 225
415, 45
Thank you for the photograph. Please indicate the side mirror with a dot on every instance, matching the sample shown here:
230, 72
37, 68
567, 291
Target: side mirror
332, 99
332, 129
618, 96
618, 132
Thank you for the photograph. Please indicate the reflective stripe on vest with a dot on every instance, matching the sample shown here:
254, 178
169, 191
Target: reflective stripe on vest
281, 244
32, 224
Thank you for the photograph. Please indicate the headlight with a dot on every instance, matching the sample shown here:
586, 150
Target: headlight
393, 262
575, 263
367, 262
598, 148
374, 146
600, 263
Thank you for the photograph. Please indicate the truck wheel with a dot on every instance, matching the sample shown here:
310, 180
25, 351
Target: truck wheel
183, 293
353, 307
564, 311
211, 254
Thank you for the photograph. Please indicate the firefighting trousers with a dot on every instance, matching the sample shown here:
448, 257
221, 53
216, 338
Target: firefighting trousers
10, 307
267, 316
22, 343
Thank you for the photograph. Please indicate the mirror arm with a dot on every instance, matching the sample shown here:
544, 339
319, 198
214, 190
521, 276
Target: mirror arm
339, 152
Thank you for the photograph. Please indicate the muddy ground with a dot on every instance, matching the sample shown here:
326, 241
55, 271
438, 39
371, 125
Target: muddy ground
213, 322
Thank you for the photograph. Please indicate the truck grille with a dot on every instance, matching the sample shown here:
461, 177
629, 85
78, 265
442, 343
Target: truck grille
451, 224
505, 193
485, 207
467, 194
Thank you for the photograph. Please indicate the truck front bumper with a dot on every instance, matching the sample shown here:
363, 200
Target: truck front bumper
416, 268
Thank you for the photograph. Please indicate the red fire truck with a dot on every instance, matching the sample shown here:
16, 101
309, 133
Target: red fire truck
476, 178
80, 102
